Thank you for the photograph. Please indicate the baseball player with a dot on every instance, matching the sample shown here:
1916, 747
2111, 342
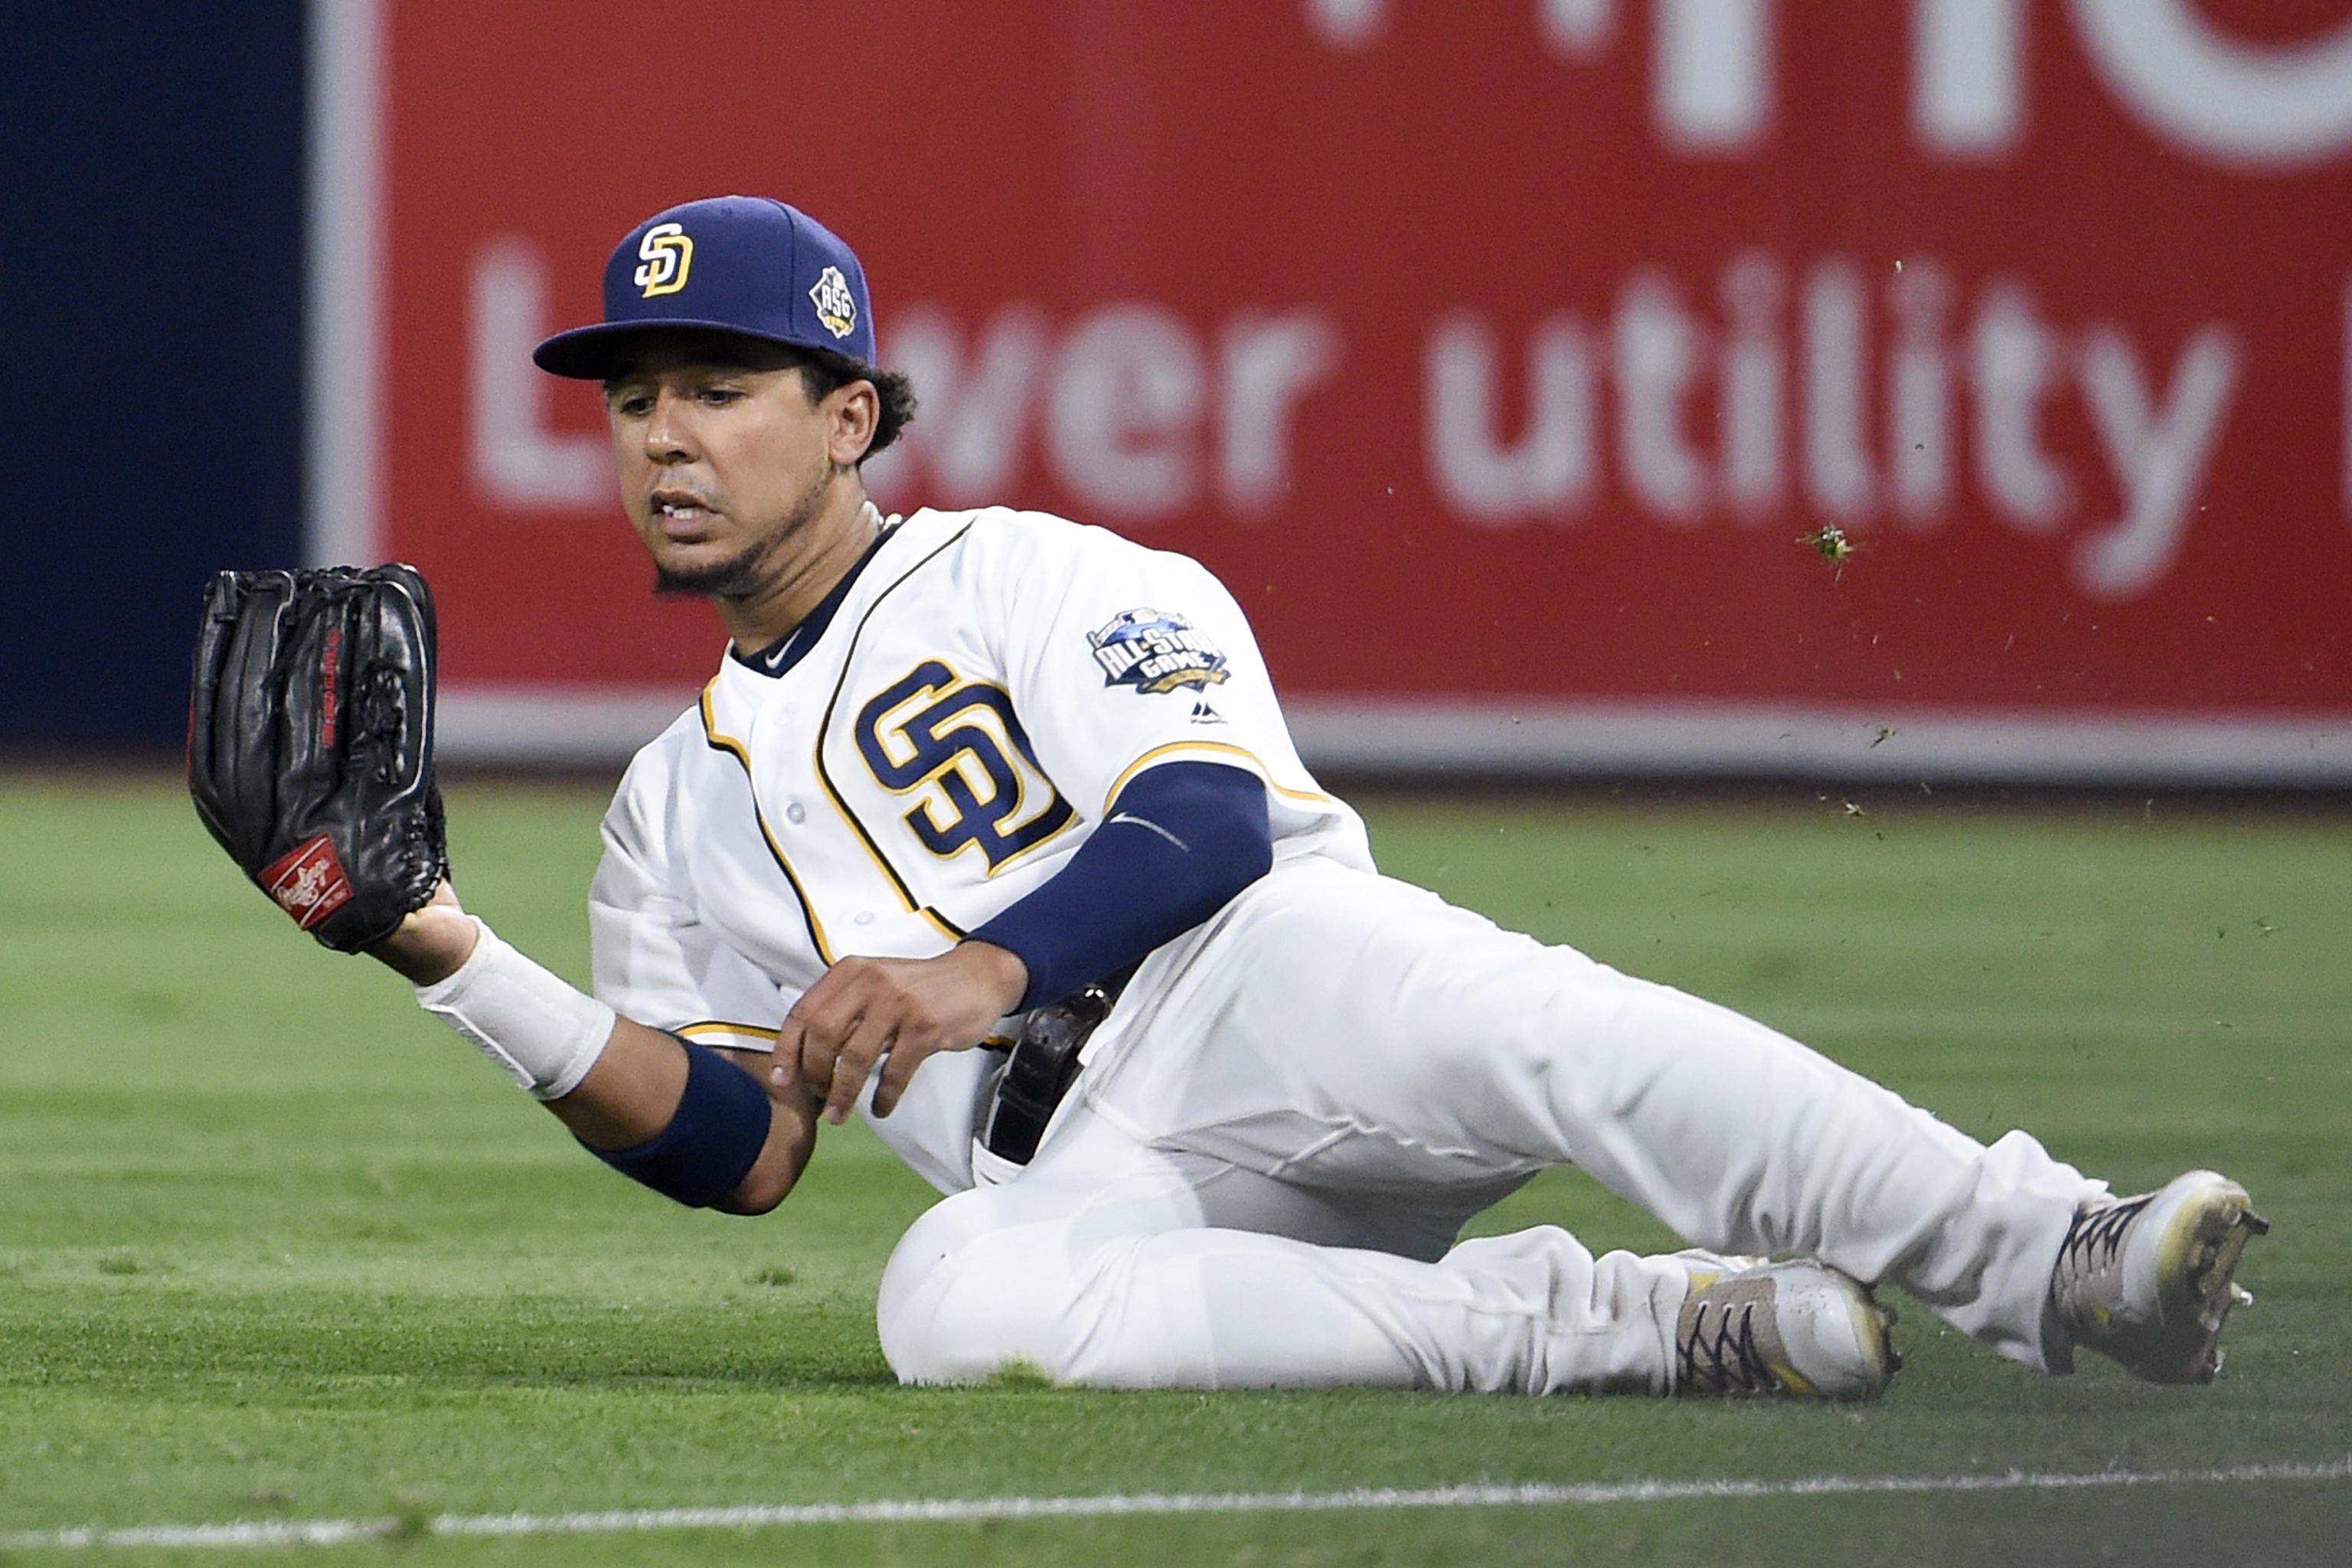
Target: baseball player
988, 828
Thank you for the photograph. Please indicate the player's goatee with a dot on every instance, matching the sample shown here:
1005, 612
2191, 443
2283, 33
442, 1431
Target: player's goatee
749, 569
735, 577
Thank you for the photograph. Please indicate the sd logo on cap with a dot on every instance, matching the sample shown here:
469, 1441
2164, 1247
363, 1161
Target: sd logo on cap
750, 265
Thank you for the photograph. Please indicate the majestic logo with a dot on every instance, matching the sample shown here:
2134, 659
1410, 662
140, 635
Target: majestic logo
308, 881
668, 254
834, 306
1155, 650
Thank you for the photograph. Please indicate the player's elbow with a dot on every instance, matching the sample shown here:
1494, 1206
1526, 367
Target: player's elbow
1254, 853
778, 1169
760, 1193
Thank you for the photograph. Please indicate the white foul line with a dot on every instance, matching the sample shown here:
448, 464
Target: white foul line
958, 1510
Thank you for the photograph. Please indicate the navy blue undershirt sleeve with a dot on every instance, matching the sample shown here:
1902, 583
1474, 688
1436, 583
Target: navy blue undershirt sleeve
1179, 841
713, 1138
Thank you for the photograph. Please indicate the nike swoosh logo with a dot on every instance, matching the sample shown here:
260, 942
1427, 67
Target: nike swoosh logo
1139, 822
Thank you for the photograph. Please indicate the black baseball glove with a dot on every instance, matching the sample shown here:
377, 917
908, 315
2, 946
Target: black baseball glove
310, 744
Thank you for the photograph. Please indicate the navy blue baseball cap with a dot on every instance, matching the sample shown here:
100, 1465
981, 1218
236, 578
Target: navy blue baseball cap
749, 265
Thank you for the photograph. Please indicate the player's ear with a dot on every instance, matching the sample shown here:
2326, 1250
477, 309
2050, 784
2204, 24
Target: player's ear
856, 411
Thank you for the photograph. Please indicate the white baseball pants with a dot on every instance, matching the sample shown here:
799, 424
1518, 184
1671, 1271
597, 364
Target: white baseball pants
1259, 1177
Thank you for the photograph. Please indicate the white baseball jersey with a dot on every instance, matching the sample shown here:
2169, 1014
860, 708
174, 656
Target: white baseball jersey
1294, 1108
940, 747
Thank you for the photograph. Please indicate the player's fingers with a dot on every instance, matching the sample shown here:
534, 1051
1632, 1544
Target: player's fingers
793, 1062
832, 1005
816, 1024
818, 1056
784, 1067
858, 1057
906, 1056
822, 1036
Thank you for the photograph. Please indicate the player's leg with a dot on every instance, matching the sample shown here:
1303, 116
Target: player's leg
1111, 1264
1412, 1040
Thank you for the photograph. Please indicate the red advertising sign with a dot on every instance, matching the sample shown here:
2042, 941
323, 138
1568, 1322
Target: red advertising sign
1504, 359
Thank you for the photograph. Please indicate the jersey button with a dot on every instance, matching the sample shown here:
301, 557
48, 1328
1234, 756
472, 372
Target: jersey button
866, 917
795, 813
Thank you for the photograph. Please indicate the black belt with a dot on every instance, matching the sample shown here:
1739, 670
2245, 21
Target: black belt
1043, 1064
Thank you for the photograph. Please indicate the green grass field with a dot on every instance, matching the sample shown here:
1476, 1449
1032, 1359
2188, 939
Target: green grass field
273, 1246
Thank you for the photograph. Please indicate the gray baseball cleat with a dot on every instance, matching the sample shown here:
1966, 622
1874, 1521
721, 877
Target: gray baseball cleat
1800, 1328
2150, 1280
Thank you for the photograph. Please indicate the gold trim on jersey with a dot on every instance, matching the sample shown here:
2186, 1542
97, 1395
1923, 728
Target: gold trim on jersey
714, 1026
948, 927
736, 748
1257, 766
824, 727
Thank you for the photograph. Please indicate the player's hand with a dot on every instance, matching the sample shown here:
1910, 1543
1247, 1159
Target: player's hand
894, 1013
431, 944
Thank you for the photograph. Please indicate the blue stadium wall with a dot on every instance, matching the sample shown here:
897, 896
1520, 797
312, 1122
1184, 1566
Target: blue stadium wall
152, 297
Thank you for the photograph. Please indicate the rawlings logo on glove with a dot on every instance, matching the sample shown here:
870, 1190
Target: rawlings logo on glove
308, 882
310, 744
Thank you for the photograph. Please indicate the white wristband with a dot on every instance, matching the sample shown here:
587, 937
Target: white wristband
540, 1028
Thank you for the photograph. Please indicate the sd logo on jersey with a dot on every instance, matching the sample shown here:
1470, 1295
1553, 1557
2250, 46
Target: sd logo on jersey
1155, 650
959, 745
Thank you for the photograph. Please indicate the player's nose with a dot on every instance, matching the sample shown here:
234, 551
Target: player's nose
669, 430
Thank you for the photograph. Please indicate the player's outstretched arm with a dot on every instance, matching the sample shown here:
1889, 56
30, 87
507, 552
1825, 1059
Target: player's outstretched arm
311, 763
695, 1124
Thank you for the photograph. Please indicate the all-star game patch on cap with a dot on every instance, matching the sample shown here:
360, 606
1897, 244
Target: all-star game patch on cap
731, 264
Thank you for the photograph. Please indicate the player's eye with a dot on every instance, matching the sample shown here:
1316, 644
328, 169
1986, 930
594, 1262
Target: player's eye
631, 405
720, 396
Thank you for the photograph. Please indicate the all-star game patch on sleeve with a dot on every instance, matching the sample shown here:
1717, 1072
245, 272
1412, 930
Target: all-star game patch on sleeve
1156, 652
1121, 658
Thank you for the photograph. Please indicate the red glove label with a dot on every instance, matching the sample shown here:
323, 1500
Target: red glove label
308, 881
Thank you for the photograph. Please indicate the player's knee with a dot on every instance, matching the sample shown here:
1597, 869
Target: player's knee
960, 1302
